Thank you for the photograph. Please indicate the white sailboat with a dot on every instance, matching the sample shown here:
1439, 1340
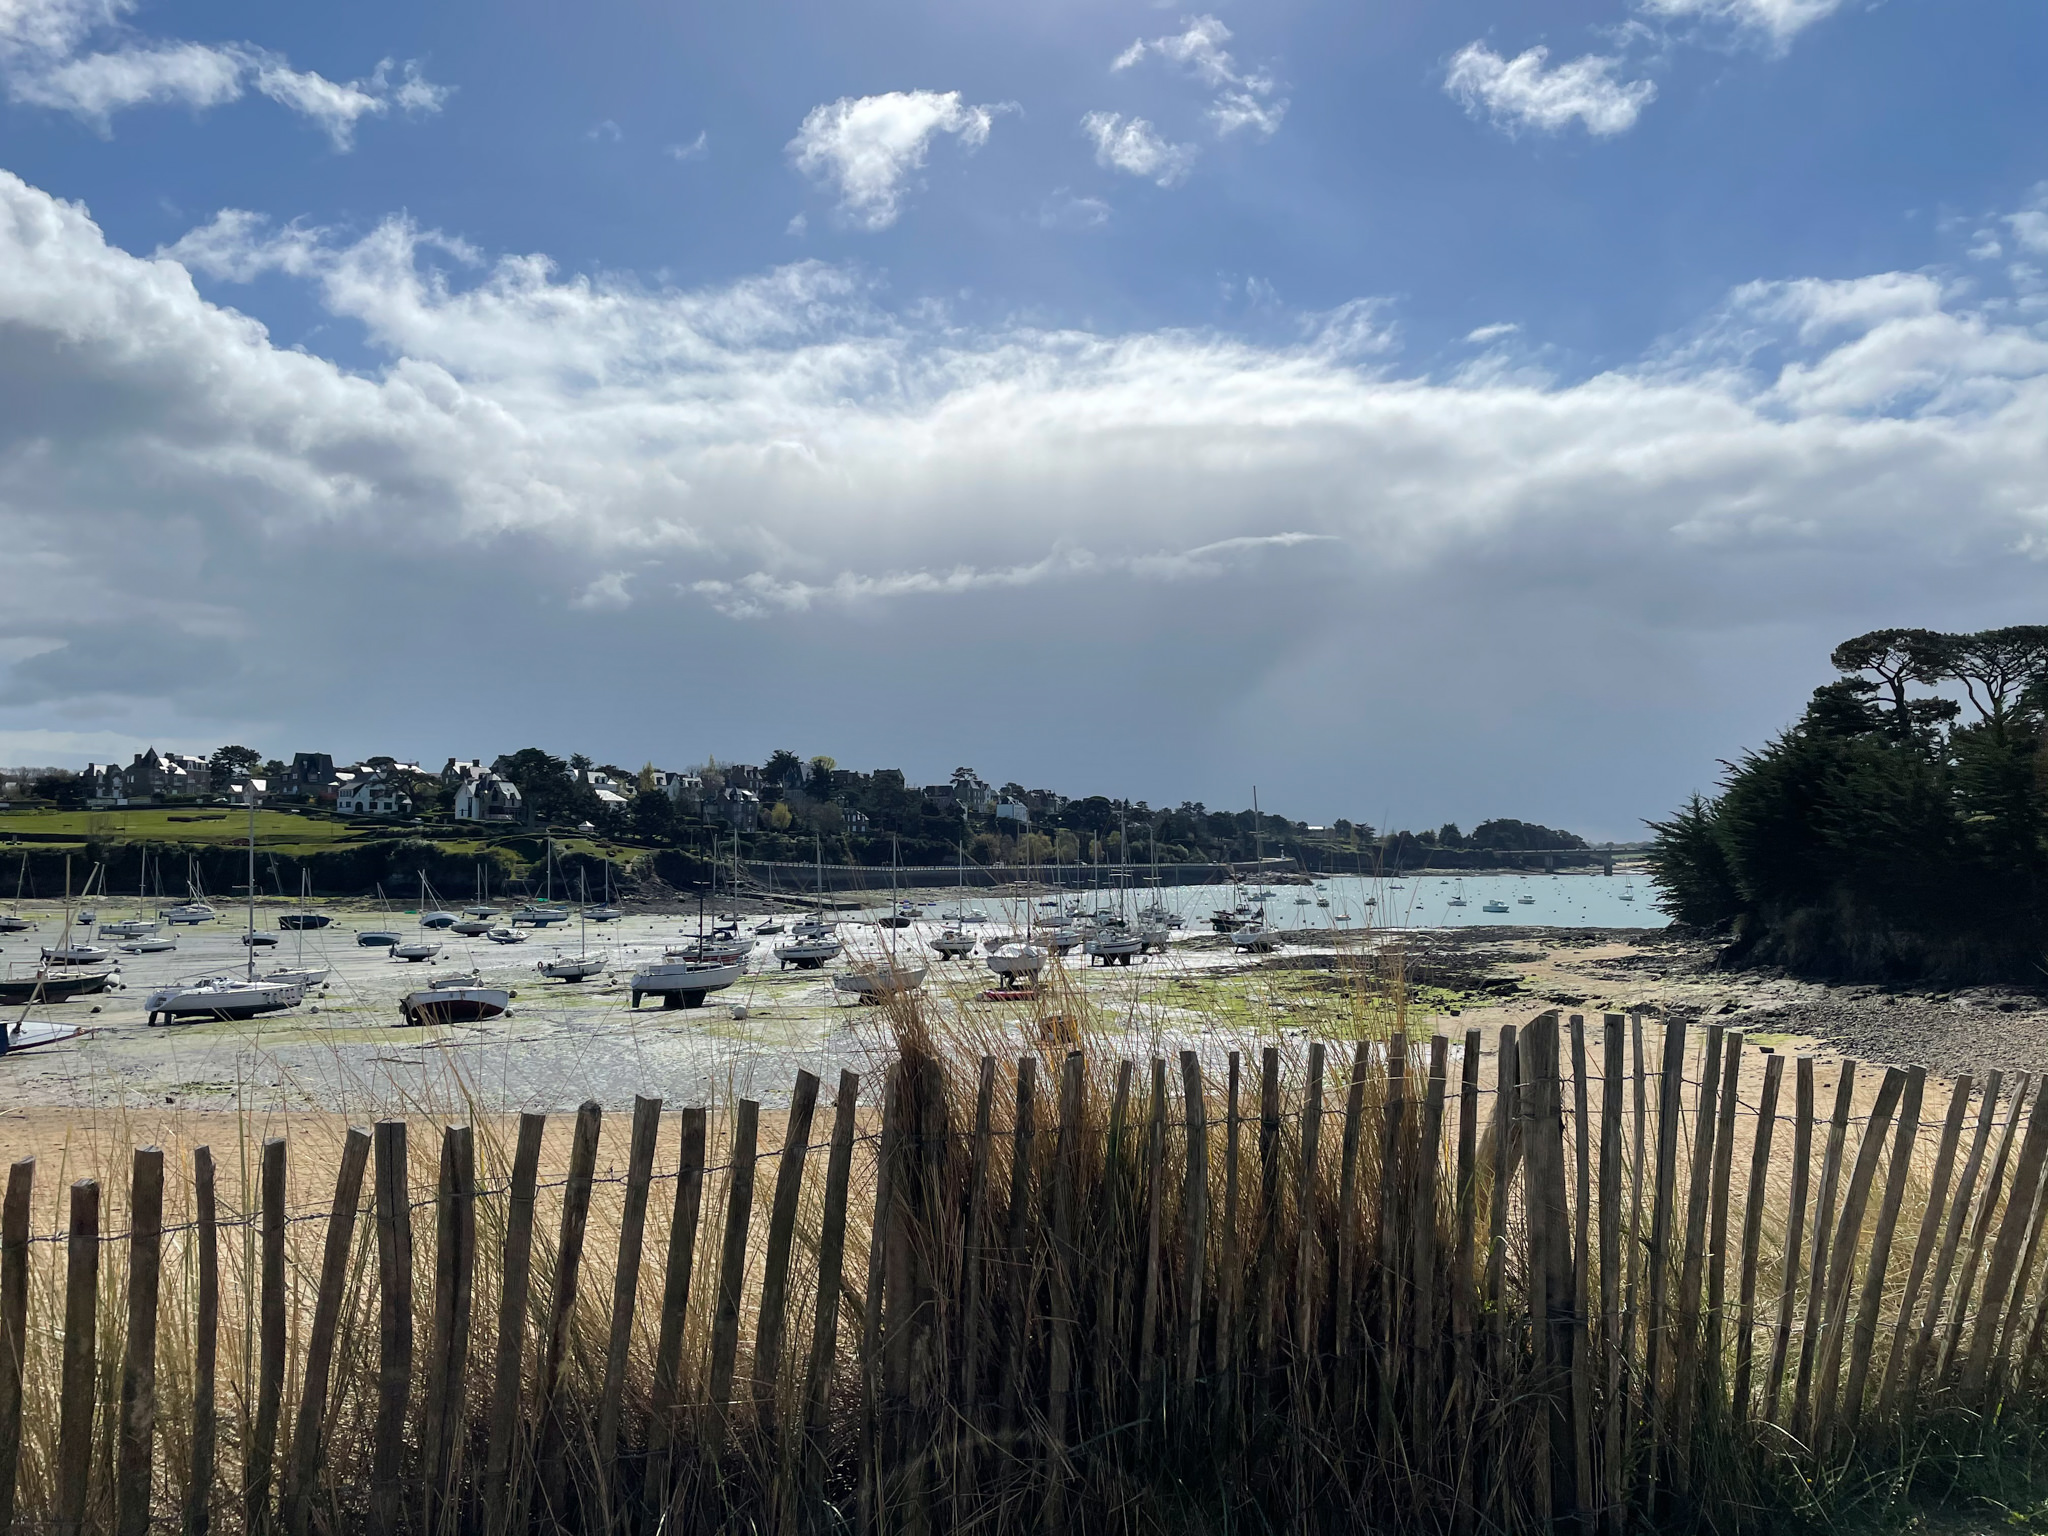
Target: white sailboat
456, 999
298, 973
413, 951
539, 914
225, 997
583, 965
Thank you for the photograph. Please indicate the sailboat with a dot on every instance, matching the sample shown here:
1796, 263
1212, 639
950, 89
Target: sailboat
581, 966
680, 980
138, 926
872, 982
1257, 936
225, 997
195, 909
1457, 896
415, 950
810, 942
605, 912
540, 914
14, 922
952, 943
70, 951
298, 973
455, 999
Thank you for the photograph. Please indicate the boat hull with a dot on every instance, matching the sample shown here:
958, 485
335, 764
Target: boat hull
683, 985
453, 1005
292, 921
53, 989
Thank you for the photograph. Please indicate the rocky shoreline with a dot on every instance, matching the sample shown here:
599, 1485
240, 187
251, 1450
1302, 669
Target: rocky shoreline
1676, 974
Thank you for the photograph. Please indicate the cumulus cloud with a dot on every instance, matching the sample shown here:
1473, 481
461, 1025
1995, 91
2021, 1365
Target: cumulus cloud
1134, 146
42, 64
1525, 92
869, 148
1245, 98
178, 491
696, 149
1778, 21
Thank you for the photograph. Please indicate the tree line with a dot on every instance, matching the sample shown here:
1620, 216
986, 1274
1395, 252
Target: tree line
1898, 830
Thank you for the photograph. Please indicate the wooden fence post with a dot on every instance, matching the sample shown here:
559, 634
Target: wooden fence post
1865, 1336
1613, 1067
200, 1471
2005, 1253
1505, 1135
1795, 1232
1230, 1271
1717, 1221
1268, 1275
1066, 1197
1391, 1212
1194, 1215
1752, 1233
770, 1326
1980, 1229
1464, 1285
81, 1335
442, 1433
1016, 1259
304, 1468
394, 1322
973, 1263
1428, 1311
258, 1474
1923, 1249
137, 1429
625, 1291
1305, 1213
675, 1311
14, 1224
1553, 1299
732, 1274
1585, 1499
1958, 1217
1698, 1199
831, 1263
1344, 1298
1823, 1233
551, 1452
1844, 1255
1670, 1105
1113, 1258
504, 1471
869, 1492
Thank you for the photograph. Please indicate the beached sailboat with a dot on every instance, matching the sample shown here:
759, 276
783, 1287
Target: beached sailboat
456, 999
543, 912
12, 921
413, 951
583, 965
226, 997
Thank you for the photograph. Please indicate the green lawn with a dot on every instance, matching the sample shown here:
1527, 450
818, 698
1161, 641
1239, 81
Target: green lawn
276, 831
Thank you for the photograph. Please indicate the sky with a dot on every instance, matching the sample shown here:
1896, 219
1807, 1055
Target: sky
1421, 412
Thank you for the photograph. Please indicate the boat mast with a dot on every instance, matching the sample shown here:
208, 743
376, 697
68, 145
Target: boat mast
249, 794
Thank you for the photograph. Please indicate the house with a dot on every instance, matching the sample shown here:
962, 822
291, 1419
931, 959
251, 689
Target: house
311, 776
940, 797
741, 809
373, 795
1013, 810
460, 771
486, 796
682, 788
153, 775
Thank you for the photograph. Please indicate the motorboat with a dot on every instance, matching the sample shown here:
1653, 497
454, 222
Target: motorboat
684, 983
77, 954
147, 944
1113, 946
480, 910
220, 997
415, 951
128, 928
952, 944
1013, 961
12, 923
604, 914
461, 999
807, 951
27, 1034
974, 915
191, 912
533, 915
259, 940
812, 928
1257, 938
768, 929
304, 977
1224, 920
437, 919
39, 985
505, 936
1322, 901
377, 938
884, 978
1495, 906
293, 922
571, 967
1525, 901
472, 927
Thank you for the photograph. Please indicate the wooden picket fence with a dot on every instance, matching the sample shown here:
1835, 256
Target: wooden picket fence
1403, 1289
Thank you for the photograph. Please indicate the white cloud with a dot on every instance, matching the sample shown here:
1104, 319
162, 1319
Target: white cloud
97, 85
1522, 93
1244, 99
177, 490
1134, 146
868, 148
41, 65
332, 105
696, 149
1777, 20
1500, 330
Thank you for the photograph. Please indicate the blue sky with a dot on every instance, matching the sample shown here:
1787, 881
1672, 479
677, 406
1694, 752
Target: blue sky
1425, 412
